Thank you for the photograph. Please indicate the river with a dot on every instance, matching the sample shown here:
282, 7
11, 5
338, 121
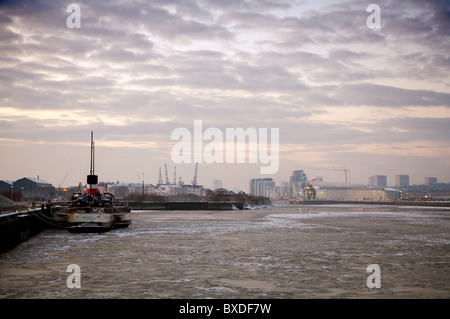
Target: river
278, 252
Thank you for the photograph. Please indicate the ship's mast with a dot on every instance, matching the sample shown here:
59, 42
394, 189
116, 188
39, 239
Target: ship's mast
92, 154
92, 179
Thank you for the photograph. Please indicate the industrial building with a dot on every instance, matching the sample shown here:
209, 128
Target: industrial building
6, 188
356, 194
33, 189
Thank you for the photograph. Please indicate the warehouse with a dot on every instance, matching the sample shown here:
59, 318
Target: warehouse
33, 189
357, 194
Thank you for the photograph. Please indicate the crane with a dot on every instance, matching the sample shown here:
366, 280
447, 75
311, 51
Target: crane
174, 175
194, 181
167, 175
345, 170
63, 181
160, 180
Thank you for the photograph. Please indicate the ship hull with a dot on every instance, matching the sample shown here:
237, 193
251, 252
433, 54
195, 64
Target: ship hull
91, 220
121, 218
94, 212
94, 219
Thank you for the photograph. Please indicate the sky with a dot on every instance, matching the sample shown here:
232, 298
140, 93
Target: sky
341, 94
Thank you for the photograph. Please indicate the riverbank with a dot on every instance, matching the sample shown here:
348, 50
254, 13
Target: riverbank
194, 205
366, 202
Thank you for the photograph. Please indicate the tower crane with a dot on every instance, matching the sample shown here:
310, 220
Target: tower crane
194, 181
63, 181
345, 170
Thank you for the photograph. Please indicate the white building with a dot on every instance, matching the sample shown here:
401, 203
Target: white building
174, 190
262, 187
120, 190
217, 184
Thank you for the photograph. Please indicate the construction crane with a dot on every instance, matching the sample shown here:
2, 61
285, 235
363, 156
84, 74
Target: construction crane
167, 175
160, 180
63, 181
345, 170
194, 181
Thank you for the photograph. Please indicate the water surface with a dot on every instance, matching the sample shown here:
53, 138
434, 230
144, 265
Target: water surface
279, 252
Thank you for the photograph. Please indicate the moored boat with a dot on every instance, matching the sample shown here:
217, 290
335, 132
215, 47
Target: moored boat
94, 212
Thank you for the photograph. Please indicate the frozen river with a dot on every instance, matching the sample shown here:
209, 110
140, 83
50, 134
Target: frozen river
278, 252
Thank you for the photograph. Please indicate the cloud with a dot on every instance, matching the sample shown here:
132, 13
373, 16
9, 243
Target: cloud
381, 95
136, 70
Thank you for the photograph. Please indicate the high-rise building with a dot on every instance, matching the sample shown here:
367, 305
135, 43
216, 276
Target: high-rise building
402, 180
262, 187
430, 180
217, 184
378, 181
297, 181
284, 189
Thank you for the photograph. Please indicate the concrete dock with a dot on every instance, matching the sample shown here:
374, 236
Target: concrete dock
16, 227
185, 205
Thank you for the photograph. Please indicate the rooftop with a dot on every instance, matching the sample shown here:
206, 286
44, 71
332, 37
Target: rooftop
35, 180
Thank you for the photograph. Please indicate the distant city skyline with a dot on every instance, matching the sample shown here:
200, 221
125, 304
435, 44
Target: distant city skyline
340, 93
258, 185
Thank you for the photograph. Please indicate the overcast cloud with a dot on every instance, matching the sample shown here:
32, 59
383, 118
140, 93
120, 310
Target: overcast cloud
342, 94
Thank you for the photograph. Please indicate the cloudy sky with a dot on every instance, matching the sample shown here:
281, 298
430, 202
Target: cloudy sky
342, 94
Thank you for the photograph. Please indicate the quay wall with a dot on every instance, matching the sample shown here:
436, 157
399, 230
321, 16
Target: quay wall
18, 226
184, 205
